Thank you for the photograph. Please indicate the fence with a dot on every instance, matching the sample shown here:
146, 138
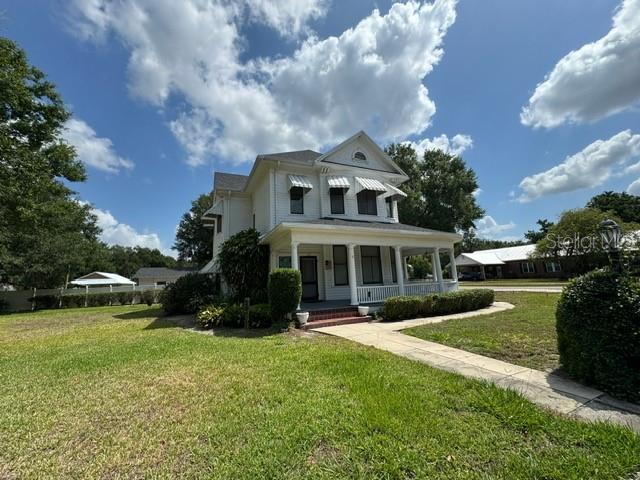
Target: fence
21, 300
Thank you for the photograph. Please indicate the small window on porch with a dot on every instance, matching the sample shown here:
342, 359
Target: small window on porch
368, 202
284, 261
336, 195
297, 200
371, 265
340, 270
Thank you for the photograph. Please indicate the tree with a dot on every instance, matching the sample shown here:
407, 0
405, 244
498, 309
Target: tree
127, 260
194, 242
534, 236
439, 190
471, 243
622, 204
244, 264
45, 233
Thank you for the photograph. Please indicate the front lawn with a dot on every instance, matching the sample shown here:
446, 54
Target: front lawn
525, 335
118, 392
517, 282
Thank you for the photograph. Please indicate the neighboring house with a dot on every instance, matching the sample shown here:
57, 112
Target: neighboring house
158, 275
508, 262
101, 279
333, 216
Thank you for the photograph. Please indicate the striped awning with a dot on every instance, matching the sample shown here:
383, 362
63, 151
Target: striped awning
338, 182
370, 184
300, 181
394, 192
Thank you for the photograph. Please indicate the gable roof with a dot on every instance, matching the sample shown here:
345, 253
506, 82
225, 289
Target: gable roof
161, 272
102, 278
496, 256
298, 156
229, 181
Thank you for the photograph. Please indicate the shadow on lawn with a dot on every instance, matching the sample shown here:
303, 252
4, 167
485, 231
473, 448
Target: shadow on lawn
188, 322
137, 314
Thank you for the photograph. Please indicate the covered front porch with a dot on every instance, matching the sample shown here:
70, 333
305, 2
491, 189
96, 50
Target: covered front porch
360, 262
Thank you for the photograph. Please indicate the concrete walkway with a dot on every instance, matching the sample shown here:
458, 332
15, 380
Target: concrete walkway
545, 389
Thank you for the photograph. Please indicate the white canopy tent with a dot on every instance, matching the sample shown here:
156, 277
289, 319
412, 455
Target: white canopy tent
101, 279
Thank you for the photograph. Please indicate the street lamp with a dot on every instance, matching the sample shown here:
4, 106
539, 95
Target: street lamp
610, 233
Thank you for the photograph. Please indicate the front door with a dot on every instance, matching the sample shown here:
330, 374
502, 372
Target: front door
309, 274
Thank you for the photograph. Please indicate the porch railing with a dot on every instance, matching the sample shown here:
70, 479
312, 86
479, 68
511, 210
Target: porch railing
378, 293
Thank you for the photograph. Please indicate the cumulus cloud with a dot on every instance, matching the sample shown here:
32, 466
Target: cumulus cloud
599, 79
488, 227
370, 77
94, 151
117, 233
586, 169
455, 145
634, 188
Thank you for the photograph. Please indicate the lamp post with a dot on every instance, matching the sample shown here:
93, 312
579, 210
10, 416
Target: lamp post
610, 233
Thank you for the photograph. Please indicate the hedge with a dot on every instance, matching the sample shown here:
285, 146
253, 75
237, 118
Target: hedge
233, 316
285, 290
189, 293
77, 300
403, 307
598, 326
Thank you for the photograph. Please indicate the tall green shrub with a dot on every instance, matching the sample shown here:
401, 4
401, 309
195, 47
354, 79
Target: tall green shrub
189, 293
598, 326
285, 290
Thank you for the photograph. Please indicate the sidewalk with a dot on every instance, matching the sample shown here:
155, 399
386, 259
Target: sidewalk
545, 389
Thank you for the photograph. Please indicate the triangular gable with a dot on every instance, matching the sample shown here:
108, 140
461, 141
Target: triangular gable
376, 158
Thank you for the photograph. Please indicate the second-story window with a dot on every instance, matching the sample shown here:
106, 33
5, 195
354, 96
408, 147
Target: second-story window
389, 204
367, 202
336, 196
219, 224
297, 200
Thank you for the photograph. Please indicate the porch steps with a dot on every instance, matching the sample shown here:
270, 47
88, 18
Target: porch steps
332, 322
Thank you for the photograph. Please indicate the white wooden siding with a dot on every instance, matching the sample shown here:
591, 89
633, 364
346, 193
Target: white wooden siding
260, 205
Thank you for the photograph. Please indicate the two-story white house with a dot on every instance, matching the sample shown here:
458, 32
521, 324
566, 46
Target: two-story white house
333, 216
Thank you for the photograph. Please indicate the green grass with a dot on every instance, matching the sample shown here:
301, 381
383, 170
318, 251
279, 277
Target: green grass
517, 282
117, 392
525, 335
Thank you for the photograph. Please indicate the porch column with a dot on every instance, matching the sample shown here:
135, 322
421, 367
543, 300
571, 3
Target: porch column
273, 260
294, 256
433, 267
399, 272
454, 268
351, 268
436, 255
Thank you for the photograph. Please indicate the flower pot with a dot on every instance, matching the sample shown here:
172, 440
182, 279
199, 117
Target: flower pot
302, 317
363, 311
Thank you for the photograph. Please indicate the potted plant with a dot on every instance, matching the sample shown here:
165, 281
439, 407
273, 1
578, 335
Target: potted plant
363, 310
303, 317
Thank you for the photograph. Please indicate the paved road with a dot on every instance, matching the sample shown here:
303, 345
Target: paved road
515, 288
545, 389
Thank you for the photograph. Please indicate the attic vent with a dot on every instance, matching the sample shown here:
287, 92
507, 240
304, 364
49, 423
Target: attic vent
359, 156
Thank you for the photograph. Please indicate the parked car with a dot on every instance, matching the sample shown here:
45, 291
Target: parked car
470, 276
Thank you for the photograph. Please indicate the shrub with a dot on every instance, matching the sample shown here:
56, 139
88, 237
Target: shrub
123, 298
189, 294
285, 290
260, 315
148, 297
233, 316
45, 301
4, 305
99, 299
598, 326
210, 316
73, 300
403, 307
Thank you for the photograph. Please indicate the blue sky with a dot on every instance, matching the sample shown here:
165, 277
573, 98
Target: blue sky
165, 92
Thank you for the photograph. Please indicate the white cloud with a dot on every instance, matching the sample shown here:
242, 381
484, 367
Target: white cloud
455, 145
631, 169
117, 233
586, 169
599, 79
634, 188
487, 227
94, 151
476, 193
370, 77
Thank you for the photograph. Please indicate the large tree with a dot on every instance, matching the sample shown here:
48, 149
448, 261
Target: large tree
622, 204
194, 242
440, 189
45, 233
127, 260
534, 236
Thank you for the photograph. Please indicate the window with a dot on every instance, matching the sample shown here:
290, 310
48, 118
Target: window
389, 203
392, 254
528, 267
219, 224
340, 269
297, 200
552, 267
371, 266
359, 156
284, 261
337, 200
367, 202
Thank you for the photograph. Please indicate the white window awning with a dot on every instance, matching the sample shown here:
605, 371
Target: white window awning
215, 211
338, 182
394, 192
369, 184
300, 181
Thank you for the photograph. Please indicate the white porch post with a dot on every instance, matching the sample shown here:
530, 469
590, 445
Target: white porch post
433, 267
273, 260
436, 255
399, 273
351, 266
452, 262
294, 256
